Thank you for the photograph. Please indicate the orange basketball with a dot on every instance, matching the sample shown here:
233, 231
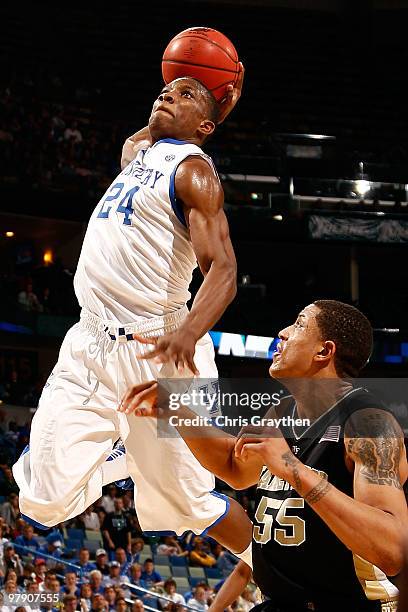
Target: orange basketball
205, 55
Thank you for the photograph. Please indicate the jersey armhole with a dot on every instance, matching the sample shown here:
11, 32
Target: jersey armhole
176, 204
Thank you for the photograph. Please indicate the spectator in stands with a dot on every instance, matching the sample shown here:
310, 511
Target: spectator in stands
11, 560
52, 546
199, 601
115, 529
98, 603
32, 588
170, 588
10, 587
138, 606
40, 569
28, 301
18, 529
122, 559
135, 529
70, 603
129, 504
3, 539
83, 561
73, 134
49, 578
90, 519
136, 547
8, 484
11, 576
101, 563
27, 576
115, 577
95, 580
28, 539
135, 576
200, 556
121, 605
150, 576
70, 586
86, 594
10, 510
108, 500
246, 601
170, 546
110, 596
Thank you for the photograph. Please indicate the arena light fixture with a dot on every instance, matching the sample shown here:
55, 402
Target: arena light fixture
362, 187
9, 234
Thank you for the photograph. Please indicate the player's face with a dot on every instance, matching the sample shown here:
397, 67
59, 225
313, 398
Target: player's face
180, 111
299, 344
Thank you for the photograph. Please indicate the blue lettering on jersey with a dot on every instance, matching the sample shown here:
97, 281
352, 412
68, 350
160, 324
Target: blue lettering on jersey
142, 174
125, 206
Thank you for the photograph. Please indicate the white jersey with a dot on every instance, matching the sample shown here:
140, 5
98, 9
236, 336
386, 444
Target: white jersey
137, 258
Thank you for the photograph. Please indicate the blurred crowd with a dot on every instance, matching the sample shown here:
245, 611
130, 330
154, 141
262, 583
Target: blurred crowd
50, 145
101, 561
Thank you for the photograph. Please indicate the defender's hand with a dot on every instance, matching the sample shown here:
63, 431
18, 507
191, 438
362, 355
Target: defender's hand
141, 400
269, 444
178, 346
233, 95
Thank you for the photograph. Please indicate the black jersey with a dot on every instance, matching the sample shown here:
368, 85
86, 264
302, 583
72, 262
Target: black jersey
297, 559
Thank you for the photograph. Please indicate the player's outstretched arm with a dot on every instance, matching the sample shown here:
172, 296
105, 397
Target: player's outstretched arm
371, 523
211, 446
133, 144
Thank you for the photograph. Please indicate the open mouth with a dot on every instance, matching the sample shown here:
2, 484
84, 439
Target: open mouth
278, 353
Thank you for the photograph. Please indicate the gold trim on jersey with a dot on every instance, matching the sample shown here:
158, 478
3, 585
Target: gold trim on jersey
376, 584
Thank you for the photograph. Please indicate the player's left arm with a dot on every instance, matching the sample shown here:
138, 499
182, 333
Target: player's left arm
199, 189
372, 522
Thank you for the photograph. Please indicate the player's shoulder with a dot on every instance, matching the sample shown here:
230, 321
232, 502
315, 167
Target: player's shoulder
198, 185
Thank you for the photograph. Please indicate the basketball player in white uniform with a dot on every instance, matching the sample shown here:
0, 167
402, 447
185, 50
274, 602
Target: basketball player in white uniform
160, 215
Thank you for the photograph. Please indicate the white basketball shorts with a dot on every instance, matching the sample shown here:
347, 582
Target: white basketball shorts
77, 423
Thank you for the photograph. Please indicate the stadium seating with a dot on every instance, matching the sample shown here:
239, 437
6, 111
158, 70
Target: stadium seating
164, 571
179, 572
197, 572
178, 561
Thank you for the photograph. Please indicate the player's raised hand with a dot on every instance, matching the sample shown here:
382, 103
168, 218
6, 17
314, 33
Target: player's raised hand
141, 400
233, 95
178, 347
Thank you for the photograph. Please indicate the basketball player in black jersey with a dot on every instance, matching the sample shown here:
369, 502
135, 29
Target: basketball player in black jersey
331, 509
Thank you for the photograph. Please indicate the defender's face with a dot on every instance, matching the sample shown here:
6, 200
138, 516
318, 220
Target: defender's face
178, 111
298, 345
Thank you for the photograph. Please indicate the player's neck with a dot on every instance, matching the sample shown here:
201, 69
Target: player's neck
314, 396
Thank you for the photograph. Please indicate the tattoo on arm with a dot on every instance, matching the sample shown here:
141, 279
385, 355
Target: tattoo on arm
376, 443
290, 460
318, 492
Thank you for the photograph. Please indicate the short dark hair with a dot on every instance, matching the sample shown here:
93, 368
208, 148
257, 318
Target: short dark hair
170, 581
148, 561
351, 332
212, 104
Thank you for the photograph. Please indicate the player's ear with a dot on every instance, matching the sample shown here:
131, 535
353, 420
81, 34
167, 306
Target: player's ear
206, 127
325, 352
